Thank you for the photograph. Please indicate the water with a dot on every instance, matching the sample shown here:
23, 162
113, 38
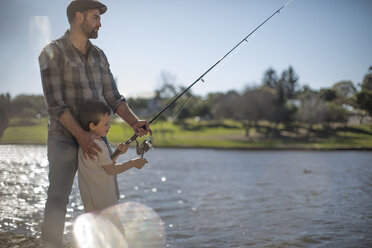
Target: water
214, 198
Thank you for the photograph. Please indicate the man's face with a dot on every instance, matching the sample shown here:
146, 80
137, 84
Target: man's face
91, 23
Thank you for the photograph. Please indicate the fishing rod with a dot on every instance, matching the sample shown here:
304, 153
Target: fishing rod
147, 144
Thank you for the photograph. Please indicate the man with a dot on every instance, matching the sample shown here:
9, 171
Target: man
73, 71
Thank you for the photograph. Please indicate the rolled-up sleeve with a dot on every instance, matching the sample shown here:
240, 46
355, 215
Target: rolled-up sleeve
52, 80
110, 90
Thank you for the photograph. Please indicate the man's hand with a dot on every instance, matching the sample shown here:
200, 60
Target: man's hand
84, 138
86, 142
141, 128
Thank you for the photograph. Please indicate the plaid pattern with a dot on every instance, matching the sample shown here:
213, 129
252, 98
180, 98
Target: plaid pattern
70, 77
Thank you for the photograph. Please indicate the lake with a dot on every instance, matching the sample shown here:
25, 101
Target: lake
218, 198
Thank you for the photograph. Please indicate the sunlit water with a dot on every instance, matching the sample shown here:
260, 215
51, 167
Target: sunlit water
213, 198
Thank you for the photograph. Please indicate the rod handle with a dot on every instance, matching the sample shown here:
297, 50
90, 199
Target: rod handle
116, 153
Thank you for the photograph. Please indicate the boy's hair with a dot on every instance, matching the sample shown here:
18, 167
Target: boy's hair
90, 111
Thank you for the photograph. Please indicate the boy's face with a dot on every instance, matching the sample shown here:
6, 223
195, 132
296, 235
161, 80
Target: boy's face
102, 127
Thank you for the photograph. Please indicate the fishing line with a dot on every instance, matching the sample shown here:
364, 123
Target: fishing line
168, 123
147, 143
182, 108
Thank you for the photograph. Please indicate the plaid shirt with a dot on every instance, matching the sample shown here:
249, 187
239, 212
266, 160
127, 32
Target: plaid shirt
70, 77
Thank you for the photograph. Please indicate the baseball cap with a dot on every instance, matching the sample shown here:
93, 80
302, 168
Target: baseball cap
82, 5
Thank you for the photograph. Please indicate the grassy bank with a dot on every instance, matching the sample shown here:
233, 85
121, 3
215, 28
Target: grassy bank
222, 134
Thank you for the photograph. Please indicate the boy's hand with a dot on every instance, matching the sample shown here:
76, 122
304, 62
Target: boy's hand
138, 162
123, 148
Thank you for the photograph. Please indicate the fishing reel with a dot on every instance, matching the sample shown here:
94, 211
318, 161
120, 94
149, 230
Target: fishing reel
144, 147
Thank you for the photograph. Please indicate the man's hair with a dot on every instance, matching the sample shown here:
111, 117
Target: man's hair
71, 18
82, 5
90, 111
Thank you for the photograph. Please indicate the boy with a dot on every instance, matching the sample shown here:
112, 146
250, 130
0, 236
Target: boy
96, 177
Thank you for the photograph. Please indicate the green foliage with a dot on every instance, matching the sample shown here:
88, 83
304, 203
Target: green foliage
285, 87
224, 106
278, 101
31, 134
270, 78
311, 108
367, 80
26, 106
344, 89
4, 112
333, 113
364, 100
22, 107
288, 84
364, 97
328, 95
219, 134
137, 103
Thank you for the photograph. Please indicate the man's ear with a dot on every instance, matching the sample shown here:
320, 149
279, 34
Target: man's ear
91, 126
79, 17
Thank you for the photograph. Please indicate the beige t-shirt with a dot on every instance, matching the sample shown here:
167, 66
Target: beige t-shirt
97, 187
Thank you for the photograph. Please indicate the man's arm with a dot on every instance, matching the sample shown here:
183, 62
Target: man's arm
84, 138
141, 127
117, 101
51, 61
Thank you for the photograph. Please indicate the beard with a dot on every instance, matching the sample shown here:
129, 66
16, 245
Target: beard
88, 30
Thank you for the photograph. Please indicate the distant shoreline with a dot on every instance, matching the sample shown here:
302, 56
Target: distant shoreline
225, 135
283, 148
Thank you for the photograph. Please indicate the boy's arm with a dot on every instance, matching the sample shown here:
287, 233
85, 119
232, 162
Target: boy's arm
114, 169
123, 149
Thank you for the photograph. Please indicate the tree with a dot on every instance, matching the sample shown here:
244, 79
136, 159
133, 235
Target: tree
225, 105
4, 112
259, 104
28, 106
328, 95
270, 79
311, 108
142, 106
289, 83
367, 80
333, 113
345, 91
363, 98
166, 92
187, 104
286, 87
183, 109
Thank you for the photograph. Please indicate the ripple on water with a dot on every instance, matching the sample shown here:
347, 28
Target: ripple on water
209, 198
23, 176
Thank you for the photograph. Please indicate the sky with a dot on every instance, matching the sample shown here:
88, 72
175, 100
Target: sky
325, 41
